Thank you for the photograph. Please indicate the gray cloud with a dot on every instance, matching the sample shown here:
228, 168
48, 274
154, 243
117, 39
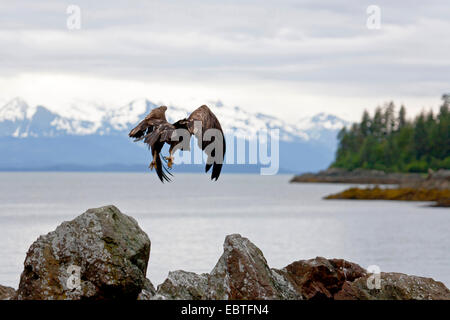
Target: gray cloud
305, 43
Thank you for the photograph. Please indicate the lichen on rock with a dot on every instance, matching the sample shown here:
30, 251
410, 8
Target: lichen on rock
394, 286
101, 254
242, 273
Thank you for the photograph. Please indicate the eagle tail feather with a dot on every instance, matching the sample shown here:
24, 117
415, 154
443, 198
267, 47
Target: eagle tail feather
160, 168
217, 168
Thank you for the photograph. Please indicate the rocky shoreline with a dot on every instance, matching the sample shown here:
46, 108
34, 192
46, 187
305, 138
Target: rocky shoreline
404, 194
103, 255
358, 176
435, 187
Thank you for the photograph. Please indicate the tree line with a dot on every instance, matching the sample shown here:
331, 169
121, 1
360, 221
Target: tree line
389, 141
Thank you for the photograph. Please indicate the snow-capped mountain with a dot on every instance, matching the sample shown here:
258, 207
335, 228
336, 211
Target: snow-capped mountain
323, 128
90, 136
322, 121
18, 119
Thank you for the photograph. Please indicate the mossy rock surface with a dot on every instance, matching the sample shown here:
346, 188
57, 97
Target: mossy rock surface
106, 248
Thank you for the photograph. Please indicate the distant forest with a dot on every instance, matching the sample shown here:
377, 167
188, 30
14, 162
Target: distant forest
388, 141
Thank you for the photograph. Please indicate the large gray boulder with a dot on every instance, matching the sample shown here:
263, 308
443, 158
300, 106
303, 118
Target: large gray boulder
101, 254
242, 272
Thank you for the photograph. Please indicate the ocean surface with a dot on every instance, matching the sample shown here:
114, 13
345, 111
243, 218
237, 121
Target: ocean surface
188, 219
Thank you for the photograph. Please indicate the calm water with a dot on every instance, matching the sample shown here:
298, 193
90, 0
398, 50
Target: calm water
188, 220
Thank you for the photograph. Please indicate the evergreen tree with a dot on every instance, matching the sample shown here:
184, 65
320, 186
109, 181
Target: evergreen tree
389, 118
376, 128
387, 142
442, 136
420, 136
402, 117
365, 124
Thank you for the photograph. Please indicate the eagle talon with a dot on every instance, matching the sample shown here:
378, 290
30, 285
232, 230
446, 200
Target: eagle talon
152, 165
169, 161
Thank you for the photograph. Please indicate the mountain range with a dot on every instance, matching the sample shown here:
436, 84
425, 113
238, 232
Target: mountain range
92, 137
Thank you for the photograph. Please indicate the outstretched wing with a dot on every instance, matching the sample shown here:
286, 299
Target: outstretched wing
204, 117
155, 118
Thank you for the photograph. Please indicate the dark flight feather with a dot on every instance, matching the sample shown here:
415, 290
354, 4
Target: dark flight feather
208, 121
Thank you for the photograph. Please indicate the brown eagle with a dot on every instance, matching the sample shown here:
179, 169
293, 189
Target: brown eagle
155, 130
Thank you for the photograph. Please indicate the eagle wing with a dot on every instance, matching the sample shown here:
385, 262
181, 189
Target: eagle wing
155, 118
208, 121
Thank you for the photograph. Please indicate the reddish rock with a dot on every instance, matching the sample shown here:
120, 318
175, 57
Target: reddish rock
321, 278
242, 271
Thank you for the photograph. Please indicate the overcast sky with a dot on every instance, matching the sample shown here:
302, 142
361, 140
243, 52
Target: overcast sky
286, 58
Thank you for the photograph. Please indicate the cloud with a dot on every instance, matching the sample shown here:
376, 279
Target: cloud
311, 52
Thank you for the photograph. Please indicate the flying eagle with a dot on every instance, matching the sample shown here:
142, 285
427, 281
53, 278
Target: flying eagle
155, 130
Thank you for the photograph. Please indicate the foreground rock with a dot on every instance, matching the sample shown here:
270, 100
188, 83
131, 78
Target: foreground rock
242, 273
395, 286
359, 176
147, 292
7, 293
102, 254
321, 278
